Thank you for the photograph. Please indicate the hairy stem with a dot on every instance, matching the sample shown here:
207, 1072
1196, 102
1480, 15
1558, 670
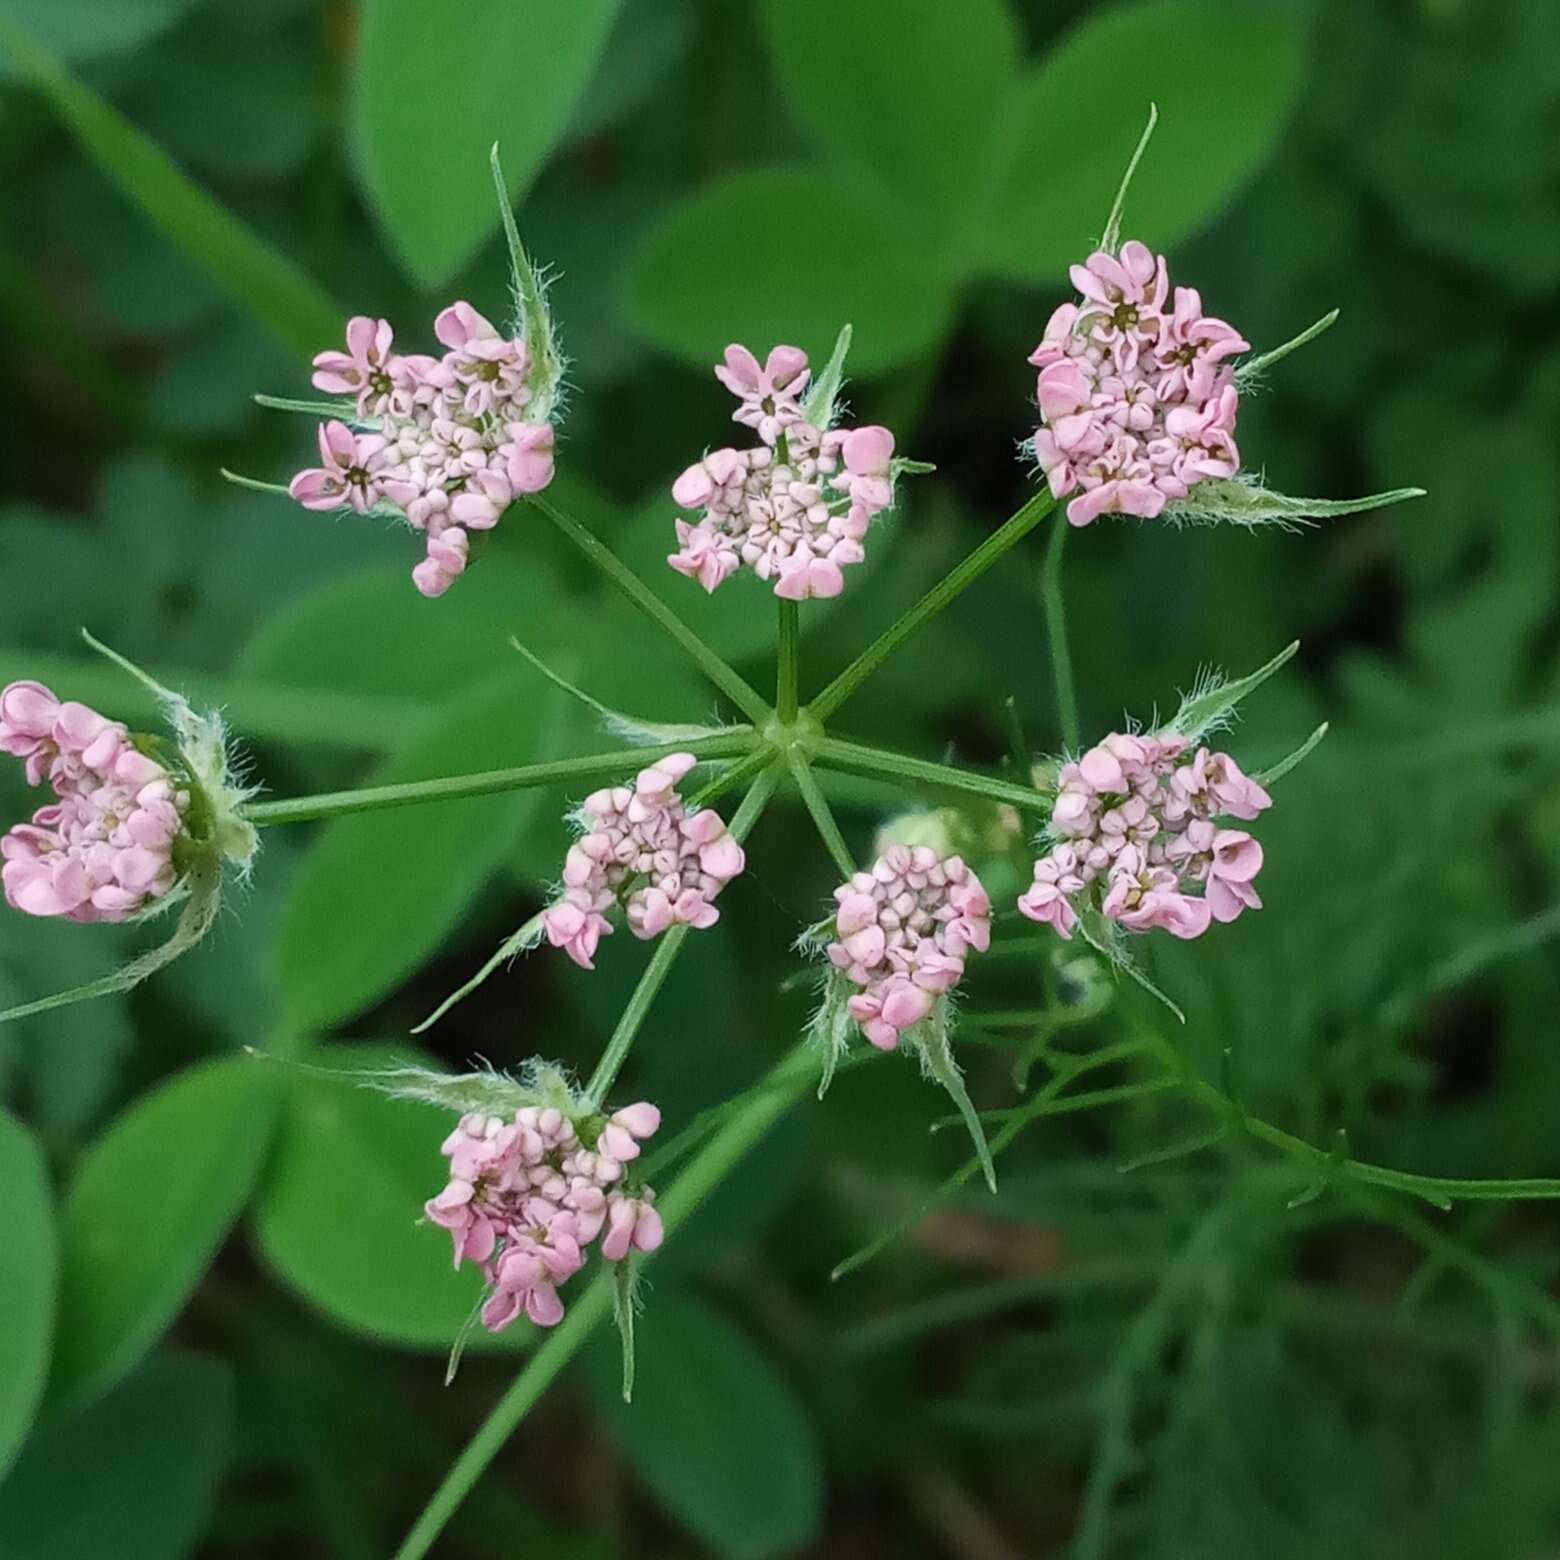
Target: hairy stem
592, 766
1056, 629
786, 677
857, 758
730, 682
822, 815
791, 1077
760, 759
660, 966
634, 1015
1000, 542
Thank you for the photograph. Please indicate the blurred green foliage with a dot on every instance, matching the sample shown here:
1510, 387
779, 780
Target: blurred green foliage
247, 1343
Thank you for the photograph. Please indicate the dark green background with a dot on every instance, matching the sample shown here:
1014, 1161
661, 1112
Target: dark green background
1169, 1363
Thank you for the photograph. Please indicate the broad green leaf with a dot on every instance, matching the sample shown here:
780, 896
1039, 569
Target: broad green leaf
302, 716
72, 1056
235, 66
91, 29
286, 301
340, 1217
511, 71
27, 1283
420, 649
790, 255
133, 1476
378, 891
150, 1204
643, 48
713, 1431
1225, 76
901, 91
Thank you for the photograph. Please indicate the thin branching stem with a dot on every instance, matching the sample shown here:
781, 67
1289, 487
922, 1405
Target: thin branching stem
822, 815
730, 682
858, 758
1049, 1099
591, 766
729, 779
996, 546
1330, 1167
789, 667
634, 1014
660, 966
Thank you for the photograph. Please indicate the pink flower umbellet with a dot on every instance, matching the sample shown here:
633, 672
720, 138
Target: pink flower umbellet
796, 508
363, 371
641, 849
103, 850
351, 471
1134, 825
526, 1197
902, 932
1137, 396
450, 442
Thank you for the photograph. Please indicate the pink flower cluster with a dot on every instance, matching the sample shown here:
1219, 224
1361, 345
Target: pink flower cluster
903, 930
1137, 814
796, 507
526, 1198
640, 847
1137, 398
444, 440
104, 849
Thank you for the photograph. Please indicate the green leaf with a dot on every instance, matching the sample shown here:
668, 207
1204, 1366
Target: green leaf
300, 717
27, 1283
713, 1431
1225, 76
238, 67
134, 1475
901, 92
378, 891
150, 1204
790, 255
317, 640
92, 29
511, 71
340, 1216
286, 301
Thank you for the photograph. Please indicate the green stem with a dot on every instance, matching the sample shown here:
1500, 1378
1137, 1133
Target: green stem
1001, 541
592, 766
786, 677
1045, 1102
822, 816
745, 769
660, 966
1056, 628
634, 1015
705, 1172
856, 757
731, 683
1442, 1191
1072, 1102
